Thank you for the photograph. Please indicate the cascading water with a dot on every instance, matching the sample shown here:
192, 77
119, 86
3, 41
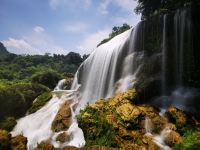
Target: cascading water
111, 68
37, 126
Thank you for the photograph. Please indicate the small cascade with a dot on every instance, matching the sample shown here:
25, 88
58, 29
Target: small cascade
37, 126
148, 125
157, 139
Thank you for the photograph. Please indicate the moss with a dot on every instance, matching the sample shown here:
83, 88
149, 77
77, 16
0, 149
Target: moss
96, 129
8, 123
191, 141
40, 102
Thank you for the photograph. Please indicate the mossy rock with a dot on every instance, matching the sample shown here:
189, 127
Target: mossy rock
40, 102
177, 116
62, 120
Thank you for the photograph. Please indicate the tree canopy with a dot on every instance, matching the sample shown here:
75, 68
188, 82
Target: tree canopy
115, 31
151, 7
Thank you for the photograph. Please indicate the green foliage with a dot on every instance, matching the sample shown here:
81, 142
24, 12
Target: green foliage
191, 141
49, 78
115, 31
16, 99
8, 123
96, 130
152, 7
40, 102
22, 67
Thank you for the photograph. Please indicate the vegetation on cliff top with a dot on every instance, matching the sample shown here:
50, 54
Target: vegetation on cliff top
115, 31
152, 7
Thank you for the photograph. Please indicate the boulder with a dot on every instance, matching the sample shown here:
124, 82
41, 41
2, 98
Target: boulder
176, 116
172, 138
62, 121
45, 145
64, 137
19, 142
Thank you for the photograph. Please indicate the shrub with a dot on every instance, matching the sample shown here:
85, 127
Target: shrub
191, 141
49, 78
16, 99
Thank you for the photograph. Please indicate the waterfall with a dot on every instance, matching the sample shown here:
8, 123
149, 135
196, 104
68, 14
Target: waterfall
183, 42
164, 56
111, 68
115, 67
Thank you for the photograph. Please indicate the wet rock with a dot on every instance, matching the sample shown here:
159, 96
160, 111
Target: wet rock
62, 121
45, 146
176, 116
64, 137
19, 142
172, 138
5, 140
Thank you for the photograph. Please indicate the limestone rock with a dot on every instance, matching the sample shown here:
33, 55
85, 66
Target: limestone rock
176, 116
45, 145
172, 138
128, 112
19, 142
63, 137
62, 121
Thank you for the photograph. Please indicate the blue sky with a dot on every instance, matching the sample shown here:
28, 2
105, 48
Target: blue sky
60, 26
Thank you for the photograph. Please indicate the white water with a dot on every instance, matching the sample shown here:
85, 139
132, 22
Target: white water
37, 126
111, 68
157, 139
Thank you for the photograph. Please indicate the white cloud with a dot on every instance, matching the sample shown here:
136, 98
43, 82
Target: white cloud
125, 5
38, 29
19, 46
34, 43
92, 40
129, 19
103, 7
76, 27
70, 3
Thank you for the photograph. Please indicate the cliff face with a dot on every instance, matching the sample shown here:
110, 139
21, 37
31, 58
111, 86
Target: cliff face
170, 44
